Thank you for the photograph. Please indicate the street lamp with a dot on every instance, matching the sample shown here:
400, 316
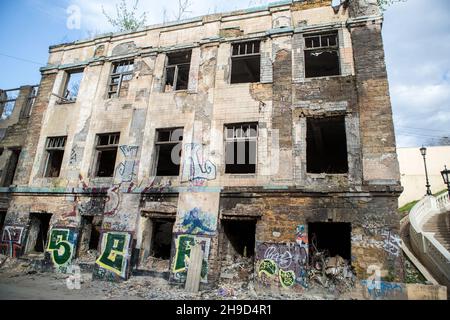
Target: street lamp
445, 173
423, 151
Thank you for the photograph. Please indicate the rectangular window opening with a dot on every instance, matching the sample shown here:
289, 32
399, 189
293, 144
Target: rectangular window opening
326, 145
55, 153
330, 238
177, 71
90, 236
240, 237
168, 151
241, 148
37, 236
122, 73
72, 85
106, 150
161, 238
321, 55
245, 62
8, 102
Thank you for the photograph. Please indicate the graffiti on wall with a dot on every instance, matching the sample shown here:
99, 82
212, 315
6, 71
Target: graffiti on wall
112, 200
12, 240
114, 254
197, 222
61, 246
126, 170
194, 167
383, 289
386, 240
94, 206
282, 263
183, 245
302, 237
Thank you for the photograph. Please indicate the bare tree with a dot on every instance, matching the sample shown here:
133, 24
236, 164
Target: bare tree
183, 8
126, 19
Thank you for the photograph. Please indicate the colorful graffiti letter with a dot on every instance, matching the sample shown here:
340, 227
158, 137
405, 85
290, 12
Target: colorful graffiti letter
183, 246
268, 267
61, 246
113, 256
12, 238
287, 278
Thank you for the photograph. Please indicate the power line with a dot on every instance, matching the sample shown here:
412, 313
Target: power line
21, 59
421, 129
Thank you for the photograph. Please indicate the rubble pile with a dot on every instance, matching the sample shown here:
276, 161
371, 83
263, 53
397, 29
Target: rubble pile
87, 257
156, 264
333, 273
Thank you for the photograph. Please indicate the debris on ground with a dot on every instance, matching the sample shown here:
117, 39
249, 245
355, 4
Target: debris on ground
87, 257
156, 264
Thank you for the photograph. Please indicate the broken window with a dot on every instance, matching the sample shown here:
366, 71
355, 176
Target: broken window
120, 77
326, 145
321, 55
239, 237
245, 62
168, 151
25, 113
331, 238
90, 234
161, 238
240, 148
37, 236
55, 153
7, 102
72, 85
106, 152
177, 71
12, 166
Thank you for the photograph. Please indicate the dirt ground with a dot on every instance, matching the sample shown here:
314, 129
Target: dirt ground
19, 281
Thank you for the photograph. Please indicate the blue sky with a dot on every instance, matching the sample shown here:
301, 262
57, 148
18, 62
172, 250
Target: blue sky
416, 37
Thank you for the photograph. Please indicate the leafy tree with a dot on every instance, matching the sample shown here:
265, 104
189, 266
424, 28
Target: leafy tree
386, 3
126, 19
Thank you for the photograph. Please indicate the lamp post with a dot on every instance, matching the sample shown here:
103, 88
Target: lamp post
423, 151
445, 173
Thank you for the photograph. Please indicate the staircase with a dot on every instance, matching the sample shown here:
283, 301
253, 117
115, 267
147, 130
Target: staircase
440, 226
430, 235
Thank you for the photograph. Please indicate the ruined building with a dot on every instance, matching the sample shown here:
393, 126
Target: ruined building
281, 115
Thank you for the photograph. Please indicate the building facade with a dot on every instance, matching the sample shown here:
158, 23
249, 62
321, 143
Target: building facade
281, 115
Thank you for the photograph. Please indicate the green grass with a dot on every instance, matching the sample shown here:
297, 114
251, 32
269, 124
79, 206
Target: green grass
407, 207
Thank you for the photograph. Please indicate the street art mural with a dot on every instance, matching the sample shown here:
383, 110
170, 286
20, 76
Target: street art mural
126, 171
282, 264
180, 261
114, 258
194, 167
197, 213
61, 246
197, 222
13, 239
